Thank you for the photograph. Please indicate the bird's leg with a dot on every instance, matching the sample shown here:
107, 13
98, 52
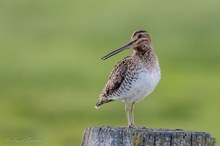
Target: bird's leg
127, 111
132, 113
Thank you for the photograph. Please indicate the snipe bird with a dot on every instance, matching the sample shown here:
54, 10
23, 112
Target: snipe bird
134, 77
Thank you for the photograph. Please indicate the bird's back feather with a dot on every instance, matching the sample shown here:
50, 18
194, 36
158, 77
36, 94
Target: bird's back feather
114, 81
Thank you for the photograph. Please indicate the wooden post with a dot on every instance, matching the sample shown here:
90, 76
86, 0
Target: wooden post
140, 136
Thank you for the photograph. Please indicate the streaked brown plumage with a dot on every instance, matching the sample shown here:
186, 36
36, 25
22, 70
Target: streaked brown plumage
135, 76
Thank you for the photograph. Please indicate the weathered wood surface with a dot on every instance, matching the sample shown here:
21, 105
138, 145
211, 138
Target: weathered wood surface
124, 136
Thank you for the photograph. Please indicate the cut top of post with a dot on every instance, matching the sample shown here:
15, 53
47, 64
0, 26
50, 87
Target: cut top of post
125, 136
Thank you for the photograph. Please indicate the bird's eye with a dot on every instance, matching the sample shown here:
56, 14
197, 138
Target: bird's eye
140, 35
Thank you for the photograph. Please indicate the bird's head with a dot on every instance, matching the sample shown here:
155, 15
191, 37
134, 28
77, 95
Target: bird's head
140, 41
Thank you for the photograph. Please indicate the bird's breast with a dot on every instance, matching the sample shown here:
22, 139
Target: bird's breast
135, 87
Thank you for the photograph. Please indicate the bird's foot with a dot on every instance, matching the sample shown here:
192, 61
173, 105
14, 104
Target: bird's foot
136, 127
131, 126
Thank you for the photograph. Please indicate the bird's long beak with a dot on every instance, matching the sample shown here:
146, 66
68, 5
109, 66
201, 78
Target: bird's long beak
118, 50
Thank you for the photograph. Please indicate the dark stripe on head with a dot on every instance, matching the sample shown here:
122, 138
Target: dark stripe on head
139, 31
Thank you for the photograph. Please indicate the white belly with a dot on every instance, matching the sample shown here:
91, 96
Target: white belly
142, 87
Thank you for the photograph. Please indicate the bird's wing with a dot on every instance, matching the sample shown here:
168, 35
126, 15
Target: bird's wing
116, 77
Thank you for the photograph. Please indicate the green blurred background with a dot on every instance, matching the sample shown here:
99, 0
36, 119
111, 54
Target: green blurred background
51, 73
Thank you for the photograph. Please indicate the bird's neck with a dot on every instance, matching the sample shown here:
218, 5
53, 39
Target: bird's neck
147, 54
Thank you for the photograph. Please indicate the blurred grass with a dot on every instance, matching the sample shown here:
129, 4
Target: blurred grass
51, 73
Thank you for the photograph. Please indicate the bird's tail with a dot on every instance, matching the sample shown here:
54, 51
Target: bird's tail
101, 101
